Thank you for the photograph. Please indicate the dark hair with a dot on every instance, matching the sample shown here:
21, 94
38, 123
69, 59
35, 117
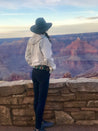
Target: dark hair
46, 34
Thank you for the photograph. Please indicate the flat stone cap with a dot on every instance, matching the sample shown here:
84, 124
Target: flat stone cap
74, 85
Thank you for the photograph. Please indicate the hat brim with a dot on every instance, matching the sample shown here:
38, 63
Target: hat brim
42, 30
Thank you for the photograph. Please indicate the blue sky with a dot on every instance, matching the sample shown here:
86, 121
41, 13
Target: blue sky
67, 16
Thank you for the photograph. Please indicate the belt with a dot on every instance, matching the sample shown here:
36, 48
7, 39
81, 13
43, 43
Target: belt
42, 67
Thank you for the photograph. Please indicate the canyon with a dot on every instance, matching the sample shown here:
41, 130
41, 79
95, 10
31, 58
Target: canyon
76, 54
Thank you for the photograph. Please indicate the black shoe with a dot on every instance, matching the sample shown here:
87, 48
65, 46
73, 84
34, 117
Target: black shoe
46, 124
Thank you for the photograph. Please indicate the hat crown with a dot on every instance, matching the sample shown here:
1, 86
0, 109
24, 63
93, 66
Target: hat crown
40, 22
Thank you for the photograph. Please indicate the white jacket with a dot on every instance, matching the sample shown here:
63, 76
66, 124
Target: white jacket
38, 51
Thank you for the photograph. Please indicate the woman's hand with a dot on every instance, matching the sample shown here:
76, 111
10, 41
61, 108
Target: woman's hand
51, 70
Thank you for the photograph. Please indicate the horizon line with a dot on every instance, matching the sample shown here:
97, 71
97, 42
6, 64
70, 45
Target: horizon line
50, 35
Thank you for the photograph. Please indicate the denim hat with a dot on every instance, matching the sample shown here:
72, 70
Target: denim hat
40, 26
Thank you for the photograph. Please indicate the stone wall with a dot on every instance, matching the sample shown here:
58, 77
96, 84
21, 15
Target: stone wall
70, 101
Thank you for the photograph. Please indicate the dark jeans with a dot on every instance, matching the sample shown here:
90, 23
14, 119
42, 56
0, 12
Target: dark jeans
40, 80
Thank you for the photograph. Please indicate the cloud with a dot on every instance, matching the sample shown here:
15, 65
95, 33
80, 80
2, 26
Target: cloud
71, 29
8, 4
77, 20
61, 2
13, 32
14, 4
93, 18
14, 14
10, 32
81, 3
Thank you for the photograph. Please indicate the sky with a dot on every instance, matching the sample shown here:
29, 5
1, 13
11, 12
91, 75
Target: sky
67, 16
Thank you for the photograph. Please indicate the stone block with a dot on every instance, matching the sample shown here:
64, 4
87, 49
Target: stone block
18, 106
23, 112
89, 109
54, 106
28, 100
96, 115
12, 90
5, 116
22, 118
92, 103
63, 118
54, 91
8, 100
48, 115
4, 100
65, 91
23, 123
30, 93
19, 95
83, 115
87, 122
29, 85
82, 85
74, 104
66, 97
57, 85
86, 96
68, 109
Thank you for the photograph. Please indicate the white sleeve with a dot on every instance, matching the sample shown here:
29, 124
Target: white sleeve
47, 52
28, 53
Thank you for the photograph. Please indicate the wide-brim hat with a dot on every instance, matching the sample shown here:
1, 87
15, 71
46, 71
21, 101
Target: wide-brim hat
40, 26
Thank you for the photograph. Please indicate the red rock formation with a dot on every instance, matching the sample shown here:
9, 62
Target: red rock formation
67, 75
78, 47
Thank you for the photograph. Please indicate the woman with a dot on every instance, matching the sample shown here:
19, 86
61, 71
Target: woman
39, 56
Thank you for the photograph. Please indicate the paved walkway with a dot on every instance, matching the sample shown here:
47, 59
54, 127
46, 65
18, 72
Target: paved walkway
55, 128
